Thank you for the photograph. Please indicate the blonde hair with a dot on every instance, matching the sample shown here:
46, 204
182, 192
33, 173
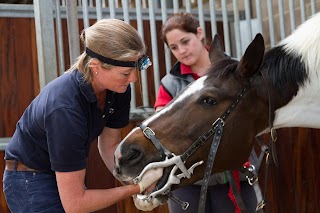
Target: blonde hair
111, 38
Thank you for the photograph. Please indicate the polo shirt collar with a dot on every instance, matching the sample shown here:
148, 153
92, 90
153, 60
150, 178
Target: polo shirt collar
85, 87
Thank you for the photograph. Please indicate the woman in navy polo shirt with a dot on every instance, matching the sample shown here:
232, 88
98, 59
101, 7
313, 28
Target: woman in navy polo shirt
46, 158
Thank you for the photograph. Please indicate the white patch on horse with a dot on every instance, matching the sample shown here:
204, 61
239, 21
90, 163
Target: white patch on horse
193, 88
303, 110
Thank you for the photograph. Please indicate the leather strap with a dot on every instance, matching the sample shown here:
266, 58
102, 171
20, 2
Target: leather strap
13, 165
236, 192
152, 136
212, 154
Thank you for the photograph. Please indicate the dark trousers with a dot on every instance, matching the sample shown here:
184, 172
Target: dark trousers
28, 192
217, 200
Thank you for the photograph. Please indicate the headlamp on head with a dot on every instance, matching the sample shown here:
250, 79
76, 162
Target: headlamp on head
142, 64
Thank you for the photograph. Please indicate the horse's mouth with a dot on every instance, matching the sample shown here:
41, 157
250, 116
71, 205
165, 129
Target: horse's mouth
160, 183
128, 180
163, 180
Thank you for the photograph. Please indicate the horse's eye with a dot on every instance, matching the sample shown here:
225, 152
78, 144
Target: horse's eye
209, 101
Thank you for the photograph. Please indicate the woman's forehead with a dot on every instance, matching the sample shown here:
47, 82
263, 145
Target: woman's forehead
177, 35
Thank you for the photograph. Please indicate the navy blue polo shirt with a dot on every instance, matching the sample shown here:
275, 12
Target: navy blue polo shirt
57, 128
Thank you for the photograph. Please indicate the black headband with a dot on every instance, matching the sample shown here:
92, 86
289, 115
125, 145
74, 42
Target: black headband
143, 63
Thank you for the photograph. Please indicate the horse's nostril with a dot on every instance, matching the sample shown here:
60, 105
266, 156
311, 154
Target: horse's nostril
132, 157
117, 170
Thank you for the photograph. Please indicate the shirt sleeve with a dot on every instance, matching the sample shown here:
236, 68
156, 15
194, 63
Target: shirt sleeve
67, 139
163, 97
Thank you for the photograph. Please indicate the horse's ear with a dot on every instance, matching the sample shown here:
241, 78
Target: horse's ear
252, 58
216, 51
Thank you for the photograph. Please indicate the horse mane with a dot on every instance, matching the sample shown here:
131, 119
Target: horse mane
223, 68
297, 58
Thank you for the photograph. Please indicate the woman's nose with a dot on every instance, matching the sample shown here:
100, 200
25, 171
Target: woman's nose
133, 76
182, 50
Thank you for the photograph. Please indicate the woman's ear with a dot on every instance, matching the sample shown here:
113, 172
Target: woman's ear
94, 64
200, 33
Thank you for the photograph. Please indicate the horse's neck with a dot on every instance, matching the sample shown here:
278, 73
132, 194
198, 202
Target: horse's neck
303, 110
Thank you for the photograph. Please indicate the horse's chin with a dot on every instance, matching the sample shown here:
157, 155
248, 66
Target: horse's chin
163, 199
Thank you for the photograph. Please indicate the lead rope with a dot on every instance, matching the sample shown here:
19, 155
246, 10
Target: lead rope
236, 193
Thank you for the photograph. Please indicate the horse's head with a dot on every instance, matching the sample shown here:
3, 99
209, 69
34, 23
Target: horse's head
192, 113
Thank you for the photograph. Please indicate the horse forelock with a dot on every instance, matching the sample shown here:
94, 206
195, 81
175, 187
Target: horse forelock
223, 68
191, 89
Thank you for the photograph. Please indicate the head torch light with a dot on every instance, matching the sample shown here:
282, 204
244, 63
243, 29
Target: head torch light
142, 64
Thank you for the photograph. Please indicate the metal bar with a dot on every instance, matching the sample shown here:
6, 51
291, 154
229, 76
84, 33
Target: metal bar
99, 9
59, 38
188, 6
201, 17
154, 47
259, 16
112, 9
226, 27
85, 13
302, 11
271, 23
281, 19
46, 50
248, 19
175, 6
73, 30
26, 11
313, 7
4, 142
166, 49
237, 29
125, 7
213, 17
292, 15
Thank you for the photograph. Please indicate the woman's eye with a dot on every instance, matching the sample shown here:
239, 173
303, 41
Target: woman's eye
173, 48
185, 42
126, 74
209, 101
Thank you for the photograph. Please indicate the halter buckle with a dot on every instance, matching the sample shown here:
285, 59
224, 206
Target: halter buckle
147, 132
216, 121
260, 205
273, 134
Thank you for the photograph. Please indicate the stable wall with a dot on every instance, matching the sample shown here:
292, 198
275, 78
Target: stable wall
292, 187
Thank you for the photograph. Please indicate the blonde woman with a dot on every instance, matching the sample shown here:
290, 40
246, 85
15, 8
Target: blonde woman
46, 158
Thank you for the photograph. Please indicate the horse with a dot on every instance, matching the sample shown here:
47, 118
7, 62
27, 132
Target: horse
262, 92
